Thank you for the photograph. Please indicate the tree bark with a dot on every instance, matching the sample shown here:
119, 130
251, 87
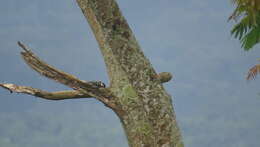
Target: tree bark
146, 110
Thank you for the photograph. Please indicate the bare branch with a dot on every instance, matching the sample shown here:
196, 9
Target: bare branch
102, 94
59, 95
50, 72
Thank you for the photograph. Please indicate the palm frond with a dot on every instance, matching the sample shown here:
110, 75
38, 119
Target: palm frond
251, 38
241, 28
248, 31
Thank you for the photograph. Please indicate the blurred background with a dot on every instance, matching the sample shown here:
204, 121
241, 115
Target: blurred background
214, 104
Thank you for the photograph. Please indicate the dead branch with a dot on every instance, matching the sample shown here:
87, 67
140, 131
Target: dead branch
102, 94
59, 95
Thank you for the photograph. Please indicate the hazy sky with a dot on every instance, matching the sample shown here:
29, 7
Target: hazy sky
214, 104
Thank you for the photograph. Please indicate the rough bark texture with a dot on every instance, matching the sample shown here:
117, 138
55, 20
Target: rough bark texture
135, 93
148, 117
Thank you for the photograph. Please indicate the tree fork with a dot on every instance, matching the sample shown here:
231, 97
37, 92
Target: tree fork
82, 89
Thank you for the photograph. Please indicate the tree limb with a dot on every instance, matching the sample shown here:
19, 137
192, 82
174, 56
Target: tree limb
59, 95
102, 94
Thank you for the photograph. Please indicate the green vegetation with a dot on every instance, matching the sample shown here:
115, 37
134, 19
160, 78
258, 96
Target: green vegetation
247, 30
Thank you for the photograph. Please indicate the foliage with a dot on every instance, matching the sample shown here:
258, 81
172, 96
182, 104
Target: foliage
247, 30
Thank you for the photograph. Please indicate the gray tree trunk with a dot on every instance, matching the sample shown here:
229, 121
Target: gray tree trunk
143, 106
135, 93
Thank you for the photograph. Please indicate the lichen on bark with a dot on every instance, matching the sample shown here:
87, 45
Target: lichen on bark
149, 118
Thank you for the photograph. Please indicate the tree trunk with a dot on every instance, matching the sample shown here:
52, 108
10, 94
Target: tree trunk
135, 93
142, 104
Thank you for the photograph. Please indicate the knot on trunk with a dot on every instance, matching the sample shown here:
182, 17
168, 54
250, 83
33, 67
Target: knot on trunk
164, 77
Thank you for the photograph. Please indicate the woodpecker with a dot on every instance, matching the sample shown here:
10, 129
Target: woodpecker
97, 84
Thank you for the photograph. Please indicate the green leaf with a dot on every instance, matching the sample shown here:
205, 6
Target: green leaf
248, 30
241, 28
251, 38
